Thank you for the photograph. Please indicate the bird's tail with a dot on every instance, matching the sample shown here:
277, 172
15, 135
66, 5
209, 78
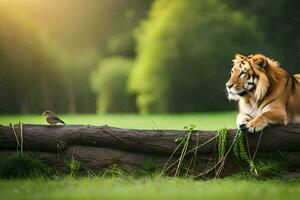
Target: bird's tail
61, 121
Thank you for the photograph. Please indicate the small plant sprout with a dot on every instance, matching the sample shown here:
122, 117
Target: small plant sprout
184, 144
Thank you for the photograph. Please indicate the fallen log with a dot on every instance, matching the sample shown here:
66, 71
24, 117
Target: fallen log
94, 159
46, 138
98, 147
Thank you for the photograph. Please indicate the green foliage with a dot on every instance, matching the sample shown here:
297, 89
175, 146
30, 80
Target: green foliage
241, 152
222, 142
48, 50
179, 57
73, 165
150, 166
268, 167
282, 43
190, 128
239, 148
113, 171
109, 83
149, 169
22, 166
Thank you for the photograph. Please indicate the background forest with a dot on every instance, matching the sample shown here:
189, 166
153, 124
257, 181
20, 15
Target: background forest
112, 56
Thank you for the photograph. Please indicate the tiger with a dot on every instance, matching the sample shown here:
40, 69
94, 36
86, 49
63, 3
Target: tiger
265, 92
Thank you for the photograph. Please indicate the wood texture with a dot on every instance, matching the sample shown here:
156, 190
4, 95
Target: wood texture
98, 147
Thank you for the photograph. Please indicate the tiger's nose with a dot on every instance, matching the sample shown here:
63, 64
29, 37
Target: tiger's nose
229, 85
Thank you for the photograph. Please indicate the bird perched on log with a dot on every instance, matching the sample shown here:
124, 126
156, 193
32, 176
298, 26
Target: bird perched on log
52, 118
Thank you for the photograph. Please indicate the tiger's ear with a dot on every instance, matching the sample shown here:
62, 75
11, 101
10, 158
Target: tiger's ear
260, 61
239, 56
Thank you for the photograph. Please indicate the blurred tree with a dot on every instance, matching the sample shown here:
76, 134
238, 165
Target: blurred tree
27, 77
109, 83
48, 49
79, 24
184, 54
280, 22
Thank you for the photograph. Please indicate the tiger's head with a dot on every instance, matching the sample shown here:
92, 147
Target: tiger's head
248, 77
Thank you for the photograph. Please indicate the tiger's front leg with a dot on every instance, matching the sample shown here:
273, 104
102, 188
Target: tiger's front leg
263, 120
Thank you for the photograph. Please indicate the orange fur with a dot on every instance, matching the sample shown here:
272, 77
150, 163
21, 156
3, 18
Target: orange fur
266, 93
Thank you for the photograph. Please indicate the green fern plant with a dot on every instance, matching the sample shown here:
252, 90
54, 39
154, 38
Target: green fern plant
239, 148
243, 153
222, 142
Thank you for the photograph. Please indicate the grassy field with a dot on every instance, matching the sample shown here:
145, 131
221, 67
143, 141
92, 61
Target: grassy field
148, 188
202, 120
127, 187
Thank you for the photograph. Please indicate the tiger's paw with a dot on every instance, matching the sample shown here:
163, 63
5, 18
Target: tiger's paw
242, 120
252, 126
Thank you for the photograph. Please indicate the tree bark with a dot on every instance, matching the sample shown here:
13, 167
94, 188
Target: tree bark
98, 147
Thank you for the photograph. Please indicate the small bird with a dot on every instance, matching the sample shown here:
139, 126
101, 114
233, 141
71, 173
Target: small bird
52, 118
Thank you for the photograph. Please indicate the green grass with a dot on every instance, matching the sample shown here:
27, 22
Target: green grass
148, 188
22, 166
210, 121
